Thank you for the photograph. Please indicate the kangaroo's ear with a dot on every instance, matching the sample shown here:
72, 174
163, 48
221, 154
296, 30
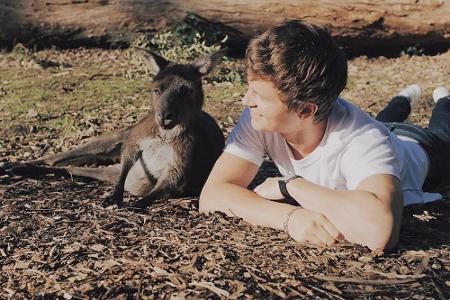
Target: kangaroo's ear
207, 63
153, 61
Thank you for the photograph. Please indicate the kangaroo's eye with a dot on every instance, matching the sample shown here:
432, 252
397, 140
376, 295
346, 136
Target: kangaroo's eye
157, 91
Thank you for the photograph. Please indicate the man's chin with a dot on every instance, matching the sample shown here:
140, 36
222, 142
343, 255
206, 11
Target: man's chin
258, 125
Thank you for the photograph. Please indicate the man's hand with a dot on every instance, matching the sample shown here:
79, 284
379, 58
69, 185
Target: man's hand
269, 189
309, 226
304, 225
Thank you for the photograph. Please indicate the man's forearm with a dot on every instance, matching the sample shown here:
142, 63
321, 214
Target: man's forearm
241, 202
359, 215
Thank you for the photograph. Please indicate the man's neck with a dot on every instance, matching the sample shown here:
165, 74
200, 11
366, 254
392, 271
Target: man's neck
306, 140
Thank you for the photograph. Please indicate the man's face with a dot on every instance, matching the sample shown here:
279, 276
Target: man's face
267, 110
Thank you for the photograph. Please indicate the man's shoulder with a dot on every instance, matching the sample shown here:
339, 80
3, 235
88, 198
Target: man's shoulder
347, 113
248, 143
349, 119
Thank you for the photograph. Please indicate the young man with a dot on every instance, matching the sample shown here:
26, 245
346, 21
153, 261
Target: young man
349, 173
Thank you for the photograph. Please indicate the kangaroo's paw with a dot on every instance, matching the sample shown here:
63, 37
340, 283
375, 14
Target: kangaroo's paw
113, 200
143, 203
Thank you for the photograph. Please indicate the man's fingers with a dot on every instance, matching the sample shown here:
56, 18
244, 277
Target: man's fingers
324, 237
332, 231
315, 228
324, 230
313, 239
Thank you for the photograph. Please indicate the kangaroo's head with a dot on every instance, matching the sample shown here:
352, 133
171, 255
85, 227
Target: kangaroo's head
177, 91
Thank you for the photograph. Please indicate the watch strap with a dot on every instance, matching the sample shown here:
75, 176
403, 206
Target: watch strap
283, 189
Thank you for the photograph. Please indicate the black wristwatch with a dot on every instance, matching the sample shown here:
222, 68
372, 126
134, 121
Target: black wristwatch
282, 184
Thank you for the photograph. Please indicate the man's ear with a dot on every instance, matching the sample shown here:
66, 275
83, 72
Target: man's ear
153, 62
207, 63
308, 110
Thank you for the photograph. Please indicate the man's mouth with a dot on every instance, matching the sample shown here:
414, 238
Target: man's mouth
255, 114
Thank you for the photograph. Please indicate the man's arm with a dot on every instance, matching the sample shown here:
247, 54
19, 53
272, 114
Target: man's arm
225, 190
370, 215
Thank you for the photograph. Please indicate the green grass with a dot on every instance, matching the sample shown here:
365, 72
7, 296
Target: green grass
90, 98
59, 98
225, 92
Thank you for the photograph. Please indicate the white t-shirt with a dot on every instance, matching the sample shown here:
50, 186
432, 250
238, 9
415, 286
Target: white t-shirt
354, 147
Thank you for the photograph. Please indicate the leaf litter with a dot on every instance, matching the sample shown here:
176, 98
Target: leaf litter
57, 241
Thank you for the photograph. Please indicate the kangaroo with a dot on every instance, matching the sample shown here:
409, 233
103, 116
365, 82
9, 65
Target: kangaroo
169, 153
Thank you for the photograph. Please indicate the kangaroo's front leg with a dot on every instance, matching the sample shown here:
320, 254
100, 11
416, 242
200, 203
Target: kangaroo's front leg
130, 155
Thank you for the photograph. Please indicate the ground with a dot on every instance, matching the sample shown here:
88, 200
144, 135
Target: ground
57, 241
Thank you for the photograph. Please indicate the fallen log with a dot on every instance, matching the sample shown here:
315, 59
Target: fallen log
114, 23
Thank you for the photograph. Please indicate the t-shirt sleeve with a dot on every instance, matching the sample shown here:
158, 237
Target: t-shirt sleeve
367, 155
245, 142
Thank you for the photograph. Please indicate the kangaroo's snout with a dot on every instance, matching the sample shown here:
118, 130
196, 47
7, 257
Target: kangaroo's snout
165, 120
175, 105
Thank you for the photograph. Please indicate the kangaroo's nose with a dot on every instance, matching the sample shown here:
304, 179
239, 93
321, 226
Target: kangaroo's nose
167, 116
164, 119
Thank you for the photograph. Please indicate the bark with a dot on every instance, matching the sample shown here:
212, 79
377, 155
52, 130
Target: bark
356, 24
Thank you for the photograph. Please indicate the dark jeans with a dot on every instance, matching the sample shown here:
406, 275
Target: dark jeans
435, 139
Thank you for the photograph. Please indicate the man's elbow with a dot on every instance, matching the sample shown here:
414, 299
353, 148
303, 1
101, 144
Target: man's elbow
384, 236
212, 198
203, 201
382, 242
386, 230
380, 223
206, 201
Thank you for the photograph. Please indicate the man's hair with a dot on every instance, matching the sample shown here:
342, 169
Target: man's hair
303, 62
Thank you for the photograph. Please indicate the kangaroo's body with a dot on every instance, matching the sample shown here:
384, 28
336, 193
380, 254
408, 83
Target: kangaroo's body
169, 153
173, 162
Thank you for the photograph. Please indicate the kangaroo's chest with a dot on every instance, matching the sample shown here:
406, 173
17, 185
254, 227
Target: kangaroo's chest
157, 156
155, 161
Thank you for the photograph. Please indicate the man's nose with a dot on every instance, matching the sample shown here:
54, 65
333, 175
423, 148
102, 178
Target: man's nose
247, 100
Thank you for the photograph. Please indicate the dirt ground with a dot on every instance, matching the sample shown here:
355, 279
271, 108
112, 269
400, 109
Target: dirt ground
57, 241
